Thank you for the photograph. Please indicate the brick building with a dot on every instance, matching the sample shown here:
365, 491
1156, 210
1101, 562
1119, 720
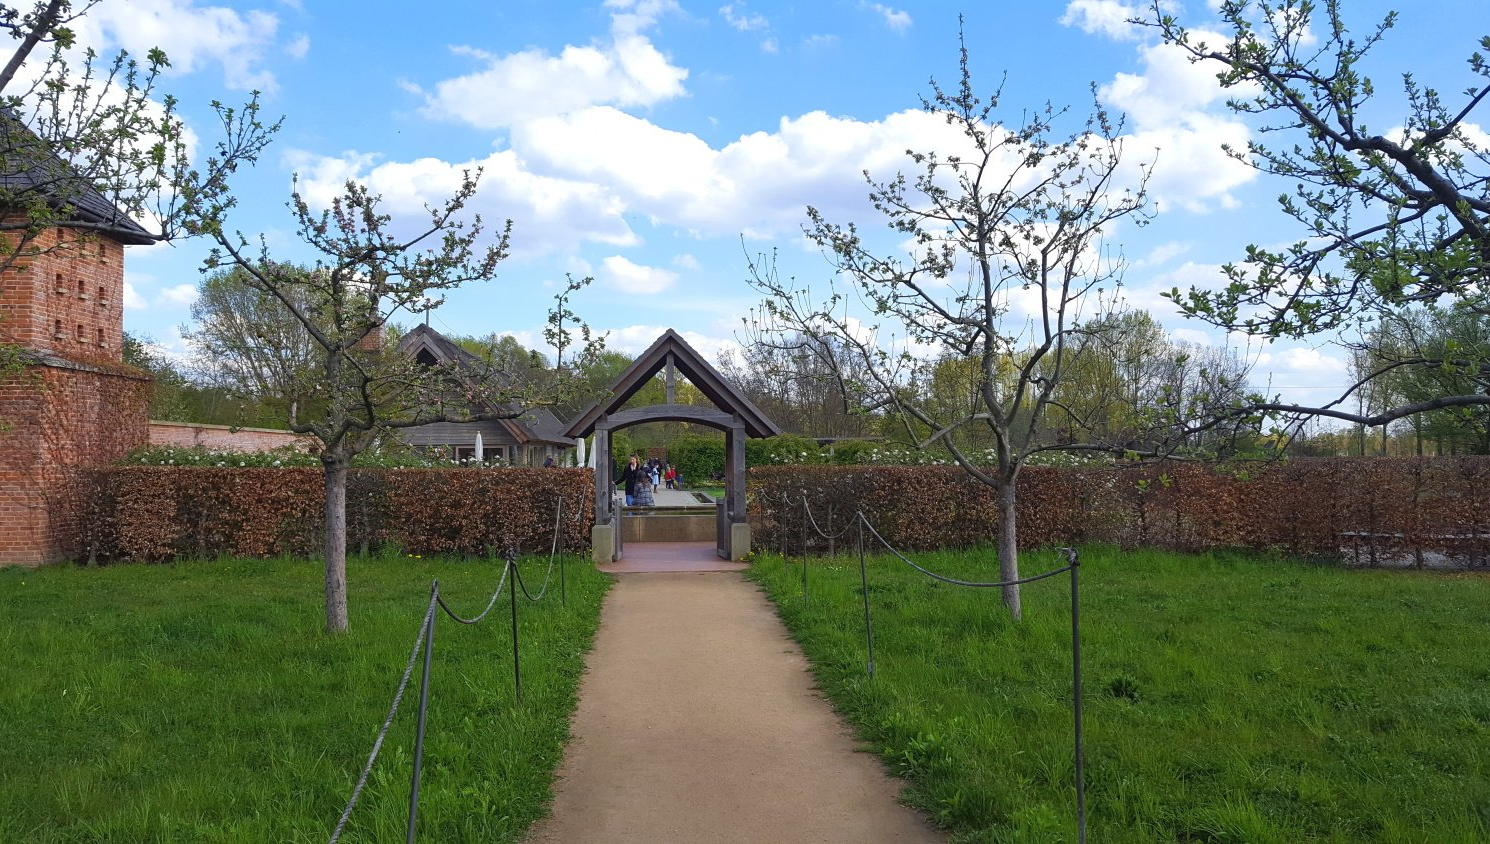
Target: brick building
76, 405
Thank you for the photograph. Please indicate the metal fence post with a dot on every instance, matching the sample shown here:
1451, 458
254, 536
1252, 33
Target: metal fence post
864, 584
517, 675
1074, 558
429, 647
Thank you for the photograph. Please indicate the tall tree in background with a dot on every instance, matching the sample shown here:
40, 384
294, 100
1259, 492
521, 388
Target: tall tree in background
808, 385
1392, 218
368, 270
1129, 384
1429, 333
1015, 209
248, 342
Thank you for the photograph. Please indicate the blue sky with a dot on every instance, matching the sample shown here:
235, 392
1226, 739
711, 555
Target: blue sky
640, 140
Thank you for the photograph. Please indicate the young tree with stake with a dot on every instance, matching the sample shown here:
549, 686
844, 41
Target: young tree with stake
1018, 211
366, 272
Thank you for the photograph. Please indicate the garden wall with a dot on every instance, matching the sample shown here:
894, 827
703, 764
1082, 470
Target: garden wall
151, 513
223, 437
1417, 511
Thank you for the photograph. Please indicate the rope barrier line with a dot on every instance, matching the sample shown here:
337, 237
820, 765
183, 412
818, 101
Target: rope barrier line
820, 532
489, 604
425, 642
954, 581
524, 586
398, 696
1073, 567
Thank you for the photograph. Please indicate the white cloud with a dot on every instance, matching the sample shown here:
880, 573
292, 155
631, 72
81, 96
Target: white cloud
1161, 254
1104, 17
686, 262
299, 47
1191, 335
132, 299
737, 16
1168, 105
894, 18
1303, 360
638, 279
814, 42
180, 294
634, 339
513, 88
192, 36
759, 184
551, 214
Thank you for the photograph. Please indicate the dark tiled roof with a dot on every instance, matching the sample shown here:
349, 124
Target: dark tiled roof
29, 165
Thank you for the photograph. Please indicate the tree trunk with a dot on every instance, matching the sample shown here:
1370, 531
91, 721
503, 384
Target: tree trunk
1009, 543
336, 548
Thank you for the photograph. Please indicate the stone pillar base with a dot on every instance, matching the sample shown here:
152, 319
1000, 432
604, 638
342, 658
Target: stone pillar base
602, 543
739, 540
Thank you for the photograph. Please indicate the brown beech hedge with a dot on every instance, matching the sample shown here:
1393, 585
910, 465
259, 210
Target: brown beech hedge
150, 513
1366, 509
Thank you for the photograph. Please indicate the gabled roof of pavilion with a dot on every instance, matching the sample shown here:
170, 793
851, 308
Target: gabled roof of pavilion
671, 348
534, 425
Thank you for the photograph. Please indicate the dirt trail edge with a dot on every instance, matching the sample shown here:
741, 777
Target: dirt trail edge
697, 722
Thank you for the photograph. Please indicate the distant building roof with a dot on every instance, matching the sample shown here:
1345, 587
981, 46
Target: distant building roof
27, 164
536, 425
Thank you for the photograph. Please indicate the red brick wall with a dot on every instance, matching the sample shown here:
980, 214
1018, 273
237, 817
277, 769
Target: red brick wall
63, 419
222, 437
80, 408
67, 300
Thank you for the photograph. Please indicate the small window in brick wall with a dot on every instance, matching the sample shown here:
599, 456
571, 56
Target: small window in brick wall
100, 337
103, 297
61, 285
82, 333
82, 289
57, 330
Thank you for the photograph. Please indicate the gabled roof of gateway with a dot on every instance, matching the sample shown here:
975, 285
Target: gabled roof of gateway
672, 346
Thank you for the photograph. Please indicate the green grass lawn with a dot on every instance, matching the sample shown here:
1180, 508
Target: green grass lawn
203, 702
1228, 698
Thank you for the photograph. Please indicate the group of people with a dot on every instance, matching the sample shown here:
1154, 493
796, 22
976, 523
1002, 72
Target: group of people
643, 479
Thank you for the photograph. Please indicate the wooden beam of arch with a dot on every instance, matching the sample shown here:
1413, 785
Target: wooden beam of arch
670, 413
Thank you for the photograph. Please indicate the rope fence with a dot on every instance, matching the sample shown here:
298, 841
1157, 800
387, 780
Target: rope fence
425, 643
1072, 567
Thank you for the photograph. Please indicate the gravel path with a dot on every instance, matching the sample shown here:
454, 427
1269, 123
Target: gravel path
697, 722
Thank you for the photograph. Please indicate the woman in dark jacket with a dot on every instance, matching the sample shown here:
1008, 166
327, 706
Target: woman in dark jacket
630, 476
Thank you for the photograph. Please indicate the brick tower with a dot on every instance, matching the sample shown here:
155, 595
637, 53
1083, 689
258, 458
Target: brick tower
76, 406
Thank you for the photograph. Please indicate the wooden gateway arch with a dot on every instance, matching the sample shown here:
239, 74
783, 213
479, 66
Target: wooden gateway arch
732, 413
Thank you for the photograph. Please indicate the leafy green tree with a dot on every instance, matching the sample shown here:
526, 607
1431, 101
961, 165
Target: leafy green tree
249, 343
1391, 218
168, 398
1448, 334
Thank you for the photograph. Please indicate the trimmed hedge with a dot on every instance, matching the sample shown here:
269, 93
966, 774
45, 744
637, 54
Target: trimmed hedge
154, 513
1366, 509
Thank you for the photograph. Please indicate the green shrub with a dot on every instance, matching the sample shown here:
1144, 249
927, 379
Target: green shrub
783, 449
698, 457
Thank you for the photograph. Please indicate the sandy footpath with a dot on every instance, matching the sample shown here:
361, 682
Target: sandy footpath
697, 722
